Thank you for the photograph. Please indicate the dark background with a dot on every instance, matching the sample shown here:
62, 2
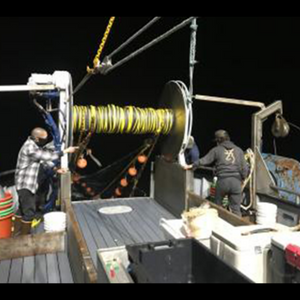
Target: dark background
251, 58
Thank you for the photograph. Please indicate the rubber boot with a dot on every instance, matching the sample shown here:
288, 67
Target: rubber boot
17, 224
26, 228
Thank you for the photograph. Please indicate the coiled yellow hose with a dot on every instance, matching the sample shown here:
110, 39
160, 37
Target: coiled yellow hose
112, 119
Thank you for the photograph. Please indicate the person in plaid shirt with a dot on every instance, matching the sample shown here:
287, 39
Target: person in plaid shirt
33, 155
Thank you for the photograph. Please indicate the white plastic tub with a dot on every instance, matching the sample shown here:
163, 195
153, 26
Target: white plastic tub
55, 221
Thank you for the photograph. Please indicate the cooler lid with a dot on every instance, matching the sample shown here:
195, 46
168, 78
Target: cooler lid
285, 239
234, 238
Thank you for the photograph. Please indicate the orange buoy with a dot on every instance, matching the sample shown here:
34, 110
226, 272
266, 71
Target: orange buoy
142, 159
132, 171
124, 182
118, 192
82, 163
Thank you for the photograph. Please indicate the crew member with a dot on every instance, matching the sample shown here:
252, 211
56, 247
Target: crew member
231, 170
31, 158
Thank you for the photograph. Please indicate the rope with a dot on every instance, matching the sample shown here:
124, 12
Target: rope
250, 157
124, 170
116, 120
134, 188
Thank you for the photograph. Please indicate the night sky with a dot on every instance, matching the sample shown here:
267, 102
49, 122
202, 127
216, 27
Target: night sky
251, 58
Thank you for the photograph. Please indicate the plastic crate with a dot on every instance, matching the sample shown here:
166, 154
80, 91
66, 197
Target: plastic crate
179, 261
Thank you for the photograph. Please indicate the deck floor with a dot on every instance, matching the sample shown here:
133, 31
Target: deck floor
107, 231
49, 268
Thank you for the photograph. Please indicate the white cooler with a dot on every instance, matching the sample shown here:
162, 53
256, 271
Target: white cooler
249, 254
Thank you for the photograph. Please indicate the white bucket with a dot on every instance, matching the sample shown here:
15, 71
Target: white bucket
266, 214
55, 221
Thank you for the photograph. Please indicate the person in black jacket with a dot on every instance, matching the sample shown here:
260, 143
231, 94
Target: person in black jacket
231, 170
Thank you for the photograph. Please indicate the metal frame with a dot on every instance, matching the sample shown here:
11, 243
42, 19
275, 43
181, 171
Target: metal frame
257, 126
258, 120
60, 81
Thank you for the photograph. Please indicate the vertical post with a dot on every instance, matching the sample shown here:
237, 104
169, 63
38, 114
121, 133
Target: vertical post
194, 29
257, 137
64, 84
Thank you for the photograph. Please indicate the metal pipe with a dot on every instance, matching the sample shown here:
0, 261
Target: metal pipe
193, 47
276, 188
26, 88
6, 173
82, 83
132, 38
230, 101
149, 45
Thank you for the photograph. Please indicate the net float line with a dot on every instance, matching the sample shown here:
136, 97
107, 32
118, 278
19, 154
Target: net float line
112, 119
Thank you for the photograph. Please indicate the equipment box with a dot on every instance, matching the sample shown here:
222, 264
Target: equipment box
179, 261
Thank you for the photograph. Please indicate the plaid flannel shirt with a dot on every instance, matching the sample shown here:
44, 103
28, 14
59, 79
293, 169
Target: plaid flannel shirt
29, 160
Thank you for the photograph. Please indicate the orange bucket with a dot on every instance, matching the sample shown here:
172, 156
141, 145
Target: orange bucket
5, 227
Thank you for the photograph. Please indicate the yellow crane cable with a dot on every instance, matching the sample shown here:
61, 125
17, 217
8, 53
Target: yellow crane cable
102, 45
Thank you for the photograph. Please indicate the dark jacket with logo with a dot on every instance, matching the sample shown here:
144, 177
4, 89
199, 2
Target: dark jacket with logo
229, 161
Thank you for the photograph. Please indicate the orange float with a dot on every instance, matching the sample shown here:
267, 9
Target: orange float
132, 171
142, 159
124, 182
82, 163
118, 192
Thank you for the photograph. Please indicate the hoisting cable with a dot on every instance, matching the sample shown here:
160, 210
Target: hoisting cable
148, 46
91, 72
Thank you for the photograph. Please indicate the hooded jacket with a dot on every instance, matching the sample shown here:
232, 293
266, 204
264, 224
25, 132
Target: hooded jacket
229, 161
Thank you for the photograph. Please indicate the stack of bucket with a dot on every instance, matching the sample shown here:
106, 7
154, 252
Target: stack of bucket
6, 215
266, 214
